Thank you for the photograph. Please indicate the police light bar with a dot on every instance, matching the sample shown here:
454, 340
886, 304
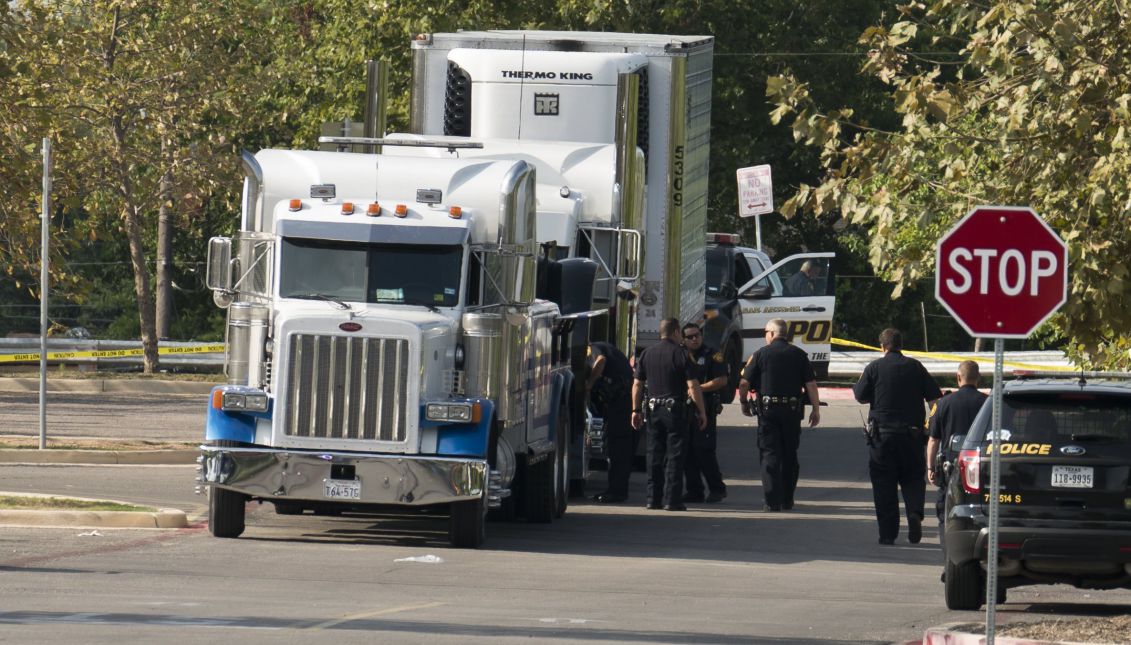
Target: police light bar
722, 238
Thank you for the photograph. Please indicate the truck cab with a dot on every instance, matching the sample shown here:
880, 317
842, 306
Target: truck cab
745, 289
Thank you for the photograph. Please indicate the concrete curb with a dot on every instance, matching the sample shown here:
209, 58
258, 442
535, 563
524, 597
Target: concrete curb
954, 634
100, 385
166, 518
131, 457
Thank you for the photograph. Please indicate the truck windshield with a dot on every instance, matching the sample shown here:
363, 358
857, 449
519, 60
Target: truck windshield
357, 272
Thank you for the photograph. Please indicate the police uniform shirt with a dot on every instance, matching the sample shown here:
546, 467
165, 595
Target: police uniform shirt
666, 369
779, 369
708, 363
896, 387
617, 366
955, 412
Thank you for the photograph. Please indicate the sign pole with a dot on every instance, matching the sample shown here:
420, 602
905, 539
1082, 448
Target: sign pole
45, 223
758, 231
995, 492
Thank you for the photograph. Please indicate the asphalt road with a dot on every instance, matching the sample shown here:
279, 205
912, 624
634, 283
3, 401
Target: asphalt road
156, 417
604, 574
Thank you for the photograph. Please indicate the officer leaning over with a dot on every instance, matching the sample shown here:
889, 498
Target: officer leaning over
952, 415
610, 385
702, 462
779, 373
896, 388
671, 381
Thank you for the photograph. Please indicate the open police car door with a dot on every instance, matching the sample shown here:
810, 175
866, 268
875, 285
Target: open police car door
799, 289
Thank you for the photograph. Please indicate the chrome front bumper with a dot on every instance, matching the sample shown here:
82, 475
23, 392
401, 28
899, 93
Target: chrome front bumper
416, 480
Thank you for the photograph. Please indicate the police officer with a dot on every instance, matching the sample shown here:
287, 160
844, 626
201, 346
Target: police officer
701, 462
610, 387
896, 387
953, 414
670, 378
779, 373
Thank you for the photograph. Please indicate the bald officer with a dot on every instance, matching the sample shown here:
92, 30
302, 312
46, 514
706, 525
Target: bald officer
671, 380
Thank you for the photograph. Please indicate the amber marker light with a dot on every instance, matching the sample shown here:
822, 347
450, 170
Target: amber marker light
373, 210
402, 210
296, 205
347, 208
218, 396
455, 212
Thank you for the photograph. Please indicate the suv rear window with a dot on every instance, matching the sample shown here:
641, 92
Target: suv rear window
1050, 417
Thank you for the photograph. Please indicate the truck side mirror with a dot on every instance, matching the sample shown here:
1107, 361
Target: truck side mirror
759, 292
219, 276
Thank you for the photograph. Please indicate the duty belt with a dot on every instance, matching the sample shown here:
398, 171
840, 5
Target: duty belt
780, 400
899, 429
668, 403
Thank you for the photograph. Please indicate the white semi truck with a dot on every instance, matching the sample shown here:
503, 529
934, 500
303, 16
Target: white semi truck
406, 325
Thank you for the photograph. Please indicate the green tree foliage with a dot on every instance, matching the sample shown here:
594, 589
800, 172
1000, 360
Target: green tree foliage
1013, 102
190, 85
141, 99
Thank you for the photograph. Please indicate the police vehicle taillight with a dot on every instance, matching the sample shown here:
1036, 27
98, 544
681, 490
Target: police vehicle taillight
970, 470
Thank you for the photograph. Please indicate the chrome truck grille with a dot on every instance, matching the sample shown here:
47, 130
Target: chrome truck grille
341, 387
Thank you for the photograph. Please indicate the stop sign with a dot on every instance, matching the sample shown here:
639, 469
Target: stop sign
1001, 271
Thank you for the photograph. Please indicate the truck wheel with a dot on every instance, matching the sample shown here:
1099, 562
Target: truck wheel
226, 507
540, 502
466, 524
561, 464
226, 512
963, 586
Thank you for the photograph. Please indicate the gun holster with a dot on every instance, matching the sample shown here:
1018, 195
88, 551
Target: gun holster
871, 431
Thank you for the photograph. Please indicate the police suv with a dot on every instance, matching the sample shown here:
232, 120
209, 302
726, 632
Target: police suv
745, 289
1065, 498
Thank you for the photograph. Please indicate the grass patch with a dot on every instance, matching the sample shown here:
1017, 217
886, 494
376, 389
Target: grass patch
20, 502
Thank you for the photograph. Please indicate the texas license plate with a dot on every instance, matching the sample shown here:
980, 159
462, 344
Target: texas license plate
1072, 476
341, 489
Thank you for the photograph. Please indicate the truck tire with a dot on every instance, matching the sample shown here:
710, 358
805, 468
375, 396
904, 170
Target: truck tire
226, 507
963, 586
467, 524
226, 512
540, 502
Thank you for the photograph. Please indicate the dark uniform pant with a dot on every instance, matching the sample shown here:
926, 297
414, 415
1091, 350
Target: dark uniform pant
667, 439
619, 444
702, 462
779, 436
897, 459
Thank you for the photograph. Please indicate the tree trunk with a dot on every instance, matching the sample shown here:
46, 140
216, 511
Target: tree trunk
165, 247
145, 307
977, 344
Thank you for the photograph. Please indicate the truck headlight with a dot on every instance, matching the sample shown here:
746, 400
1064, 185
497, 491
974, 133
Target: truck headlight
243, 402
452, 412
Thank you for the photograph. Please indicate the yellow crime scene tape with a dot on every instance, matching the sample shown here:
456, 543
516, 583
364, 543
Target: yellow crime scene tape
110, 353
955, 357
